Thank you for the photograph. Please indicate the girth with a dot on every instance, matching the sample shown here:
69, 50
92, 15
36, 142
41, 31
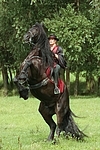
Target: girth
40, 84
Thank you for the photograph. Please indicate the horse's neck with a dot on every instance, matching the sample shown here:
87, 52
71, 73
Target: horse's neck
34, 52
37, 70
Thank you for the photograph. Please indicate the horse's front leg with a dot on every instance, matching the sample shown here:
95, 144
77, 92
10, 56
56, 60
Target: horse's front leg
47, 113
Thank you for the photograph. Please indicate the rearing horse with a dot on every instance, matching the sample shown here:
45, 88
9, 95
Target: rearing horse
36, 75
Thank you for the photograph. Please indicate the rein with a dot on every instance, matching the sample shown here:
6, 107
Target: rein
27, 60
40, 84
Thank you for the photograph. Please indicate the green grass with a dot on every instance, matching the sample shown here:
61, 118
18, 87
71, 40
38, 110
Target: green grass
23, 128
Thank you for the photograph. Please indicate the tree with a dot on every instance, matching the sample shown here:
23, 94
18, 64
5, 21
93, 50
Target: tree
95, 19
75, 34
77, 25
16, 17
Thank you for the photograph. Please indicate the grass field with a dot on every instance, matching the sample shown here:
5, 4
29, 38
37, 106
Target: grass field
23, 128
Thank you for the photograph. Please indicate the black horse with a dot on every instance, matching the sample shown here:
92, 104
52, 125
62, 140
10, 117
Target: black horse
36, 75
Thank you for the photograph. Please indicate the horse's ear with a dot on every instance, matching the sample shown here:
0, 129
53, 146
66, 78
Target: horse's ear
42, 24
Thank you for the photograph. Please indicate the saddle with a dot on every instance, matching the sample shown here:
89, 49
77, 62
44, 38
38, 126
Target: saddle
49, 72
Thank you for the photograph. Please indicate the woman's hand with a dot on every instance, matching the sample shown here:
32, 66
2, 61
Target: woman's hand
56, 55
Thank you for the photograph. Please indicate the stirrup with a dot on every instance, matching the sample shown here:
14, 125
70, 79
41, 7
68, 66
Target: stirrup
56, 90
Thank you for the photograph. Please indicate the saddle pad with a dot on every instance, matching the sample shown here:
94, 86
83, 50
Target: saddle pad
48, 72
61, 85
60, 82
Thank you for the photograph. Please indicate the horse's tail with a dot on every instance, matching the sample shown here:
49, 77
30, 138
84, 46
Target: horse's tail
75, 115
71, 128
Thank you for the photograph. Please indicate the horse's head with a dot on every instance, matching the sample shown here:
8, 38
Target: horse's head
32, 35
38, 39
22, 84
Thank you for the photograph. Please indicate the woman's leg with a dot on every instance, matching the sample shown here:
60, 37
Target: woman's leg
56, 77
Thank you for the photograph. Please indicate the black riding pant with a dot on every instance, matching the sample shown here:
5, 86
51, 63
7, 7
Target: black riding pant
56, 73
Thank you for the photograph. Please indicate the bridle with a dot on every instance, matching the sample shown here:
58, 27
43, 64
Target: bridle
33, 35
30, 39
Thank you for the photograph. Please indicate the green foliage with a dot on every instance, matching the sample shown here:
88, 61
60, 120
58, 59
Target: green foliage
78, 31
76, 36
95, 19
74, 30
12, 28
75, 33
16, 18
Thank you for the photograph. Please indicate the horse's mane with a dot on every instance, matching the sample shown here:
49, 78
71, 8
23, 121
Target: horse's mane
43, 44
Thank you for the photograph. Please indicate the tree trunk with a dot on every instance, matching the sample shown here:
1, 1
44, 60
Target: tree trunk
5, 79
76, 5
62, 74
76, 84
68, 79
98, 86
11, 78
90, 83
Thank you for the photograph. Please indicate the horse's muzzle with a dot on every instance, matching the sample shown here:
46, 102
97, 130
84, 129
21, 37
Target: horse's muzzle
25, 98
24, 94
26, 38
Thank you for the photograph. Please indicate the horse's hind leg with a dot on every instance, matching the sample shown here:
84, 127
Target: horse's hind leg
47, 113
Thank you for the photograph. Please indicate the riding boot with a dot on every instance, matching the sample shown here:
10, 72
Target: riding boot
56, 89
56, 77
